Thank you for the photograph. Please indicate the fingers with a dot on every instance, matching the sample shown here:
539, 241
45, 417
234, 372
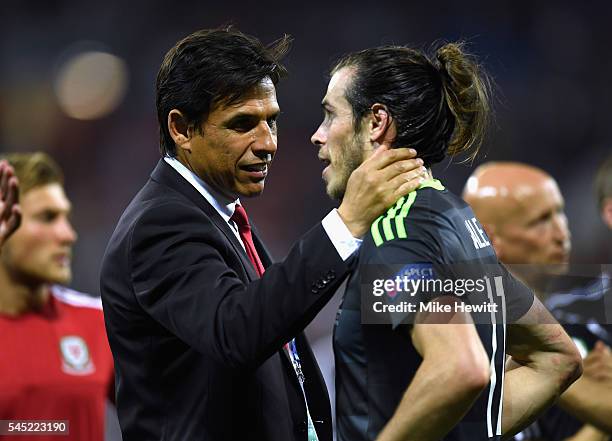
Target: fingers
407, 168
600, 346
405, 186
5, 174
379, 151
383, 156
10, 197
14, 220
10, 212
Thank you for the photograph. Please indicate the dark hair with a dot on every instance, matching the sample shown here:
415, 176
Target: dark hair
439, 107
603, 182
212, 67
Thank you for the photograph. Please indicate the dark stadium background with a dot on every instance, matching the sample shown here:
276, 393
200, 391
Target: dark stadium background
550, 60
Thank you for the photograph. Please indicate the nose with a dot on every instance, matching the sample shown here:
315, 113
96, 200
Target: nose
318, 137
265, 143
65, 232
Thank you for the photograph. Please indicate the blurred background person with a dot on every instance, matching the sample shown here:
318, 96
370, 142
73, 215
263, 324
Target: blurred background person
522, 211
56, 363
603, 191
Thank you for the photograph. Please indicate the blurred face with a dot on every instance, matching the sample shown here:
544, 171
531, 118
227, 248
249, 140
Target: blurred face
341, 148
536, 232
40, 251
236, 144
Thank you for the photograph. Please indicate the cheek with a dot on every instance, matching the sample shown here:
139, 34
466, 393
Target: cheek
524, 240
29, 241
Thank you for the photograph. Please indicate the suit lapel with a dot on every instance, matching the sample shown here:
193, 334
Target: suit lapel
261, 248
266, 259
166, 175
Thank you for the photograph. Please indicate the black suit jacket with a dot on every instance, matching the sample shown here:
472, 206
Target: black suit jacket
197, 336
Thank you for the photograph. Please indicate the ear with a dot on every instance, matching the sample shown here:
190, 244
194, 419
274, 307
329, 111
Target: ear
179, 130
382, 127
606, 212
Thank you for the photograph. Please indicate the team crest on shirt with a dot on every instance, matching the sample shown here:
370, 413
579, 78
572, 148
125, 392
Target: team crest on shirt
76, 359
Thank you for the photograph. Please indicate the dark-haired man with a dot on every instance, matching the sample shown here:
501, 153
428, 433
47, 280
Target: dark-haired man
56, 364
522, 209
207, 346
414, 363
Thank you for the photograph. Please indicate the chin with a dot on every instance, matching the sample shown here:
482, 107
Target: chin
335, 192
558, 268
250, 192
59, 277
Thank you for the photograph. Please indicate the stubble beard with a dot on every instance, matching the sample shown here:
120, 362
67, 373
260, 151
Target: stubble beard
349, 160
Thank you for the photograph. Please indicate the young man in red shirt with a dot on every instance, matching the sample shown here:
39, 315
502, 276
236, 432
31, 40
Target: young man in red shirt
56, 364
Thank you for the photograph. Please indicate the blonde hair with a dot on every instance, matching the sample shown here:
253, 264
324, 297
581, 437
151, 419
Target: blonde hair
34, 170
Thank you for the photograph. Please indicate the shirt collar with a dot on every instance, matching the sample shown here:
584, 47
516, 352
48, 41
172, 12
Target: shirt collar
222, 204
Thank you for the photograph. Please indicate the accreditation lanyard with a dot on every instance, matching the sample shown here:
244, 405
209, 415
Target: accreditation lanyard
297, 367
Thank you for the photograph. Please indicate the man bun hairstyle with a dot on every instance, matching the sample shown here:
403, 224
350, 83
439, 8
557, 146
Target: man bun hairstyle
213, 67
439, 107
467, 93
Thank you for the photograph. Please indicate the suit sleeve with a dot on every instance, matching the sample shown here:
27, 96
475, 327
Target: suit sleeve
181, 278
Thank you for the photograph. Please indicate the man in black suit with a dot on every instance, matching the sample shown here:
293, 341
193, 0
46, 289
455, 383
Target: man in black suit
207, 346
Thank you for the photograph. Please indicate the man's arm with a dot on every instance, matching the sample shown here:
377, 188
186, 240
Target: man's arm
589, 433
545, 362
454, 371
590, 398
590, 402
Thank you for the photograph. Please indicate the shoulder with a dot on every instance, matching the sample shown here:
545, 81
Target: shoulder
76, 299
163, 217
414, 217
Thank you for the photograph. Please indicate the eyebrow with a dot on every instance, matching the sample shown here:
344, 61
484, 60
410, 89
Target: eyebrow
246, 116
44, 208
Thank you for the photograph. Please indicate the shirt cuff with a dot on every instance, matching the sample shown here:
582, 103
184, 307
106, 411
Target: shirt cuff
339, 234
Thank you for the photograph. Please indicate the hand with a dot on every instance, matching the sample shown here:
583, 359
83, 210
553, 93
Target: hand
598, 363
10, 212
377, 184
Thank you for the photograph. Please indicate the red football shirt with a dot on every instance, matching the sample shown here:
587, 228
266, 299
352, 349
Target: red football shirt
56, 364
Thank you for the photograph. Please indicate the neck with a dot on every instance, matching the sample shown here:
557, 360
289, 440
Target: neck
18, 297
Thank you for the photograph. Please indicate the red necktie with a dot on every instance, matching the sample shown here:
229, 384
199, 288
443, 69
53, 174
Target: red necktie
244, 228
